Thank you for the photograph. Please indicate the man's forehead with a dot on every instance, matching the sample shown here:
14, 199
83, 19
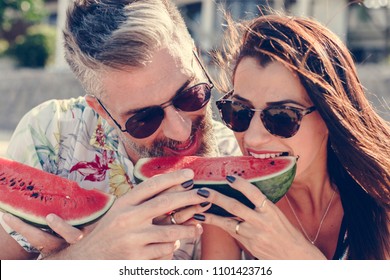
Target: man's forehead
163, 75
184, 59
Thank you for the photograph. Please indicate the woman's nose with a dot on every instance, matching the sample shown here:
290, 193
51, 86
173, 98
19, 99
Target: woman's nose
256, 134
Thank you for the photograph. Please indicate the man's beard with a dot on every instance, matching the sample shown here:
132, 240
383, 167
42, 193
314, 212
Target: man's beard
208, 146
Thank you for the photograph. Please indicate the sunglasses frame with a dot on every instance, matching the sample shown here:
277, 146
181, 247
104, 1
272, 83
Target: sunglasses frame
165, 104
298, 111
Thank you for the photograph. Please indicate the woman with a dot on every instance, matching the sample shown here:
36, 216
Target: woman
296, 92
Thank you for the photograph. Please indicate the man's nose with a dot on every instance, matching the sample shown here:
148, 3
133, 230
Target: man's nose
176, 124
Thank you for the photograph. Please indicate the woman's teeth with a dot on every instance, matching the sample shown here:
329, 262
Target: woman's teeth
269, 155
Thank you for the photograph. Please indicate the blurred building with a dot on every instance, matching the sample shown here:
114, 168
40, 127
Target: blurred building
363, 25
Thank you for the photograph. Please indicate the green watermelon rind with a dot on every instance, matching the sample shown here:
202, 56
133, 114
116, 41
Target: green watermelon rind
41, 222
276, 187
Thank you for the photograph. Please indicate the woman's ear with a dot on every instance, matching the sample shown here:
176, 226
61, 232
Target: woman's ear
95, 105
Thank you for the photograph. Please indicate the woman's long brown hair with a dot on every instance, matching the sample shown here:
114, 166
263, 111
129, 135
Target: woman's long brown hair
359, 139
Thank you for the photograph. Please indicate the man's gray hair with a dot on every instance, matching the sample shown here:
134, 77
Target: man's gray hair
103, 34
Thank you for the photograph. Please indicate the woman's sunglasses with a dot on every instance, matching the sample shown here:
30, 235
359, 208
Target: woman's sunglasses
147, 120
282, 121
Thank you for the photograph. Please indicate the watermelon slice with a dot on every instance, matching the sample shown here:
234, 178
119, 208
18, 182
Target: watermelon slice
31, 194
272, 176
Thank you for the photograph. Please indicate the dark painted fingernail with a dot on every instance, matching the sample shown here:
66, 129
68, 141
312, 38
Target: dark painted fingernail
204, 204
230, 179
187, 184
203, 192
199, 217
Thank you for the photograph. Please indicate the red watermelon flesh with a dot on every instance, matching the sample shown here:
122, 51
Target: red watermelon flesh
31, 194
215, 169
272, 176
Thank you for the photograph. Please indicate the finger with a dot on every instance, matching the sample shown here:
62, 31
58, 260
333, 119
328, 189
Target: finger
183, 215
157, 251
231, 205
165, 203
227, 224
170, 256
36, 237
158, 184
171, 233
62, 228
186, 214
253, 193
187, 185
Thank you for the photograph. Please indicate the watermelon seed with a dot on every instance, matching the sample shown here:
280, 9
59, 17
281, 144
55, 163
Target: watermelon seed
12, 183
2, 179
21, 184
34, 195
272, 162
30, 188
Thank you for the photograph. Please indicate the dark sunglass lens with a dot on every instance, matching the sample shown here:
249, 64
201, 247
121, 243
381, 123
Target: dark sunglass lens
281, 121
193, 99
145, 123
234, 115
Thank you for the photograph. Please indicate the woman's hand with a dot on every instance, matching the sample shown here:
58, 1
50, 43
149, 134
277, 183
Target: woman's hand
263, 231
182, 215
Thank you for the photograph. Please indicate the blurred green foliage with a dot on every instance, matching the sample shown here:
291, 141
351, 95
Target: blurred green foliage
36, 48
22, 35
3, 47
12, 11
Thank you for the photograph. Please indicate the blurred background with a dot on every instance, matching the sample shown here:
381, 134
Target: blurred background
32, 67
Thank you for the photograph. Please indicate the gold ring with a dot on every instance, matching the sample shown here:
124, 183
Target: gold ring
263, 203
238, 227
172, 218
77, 239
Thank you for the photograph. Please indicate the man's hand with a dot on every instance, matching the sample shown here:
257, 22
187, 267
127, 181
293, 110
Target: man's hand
127, 230
45, 242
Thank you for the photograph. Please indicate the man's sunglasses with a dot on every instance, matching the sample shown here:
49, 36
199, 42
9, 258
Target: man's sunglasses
146, 121
282, 121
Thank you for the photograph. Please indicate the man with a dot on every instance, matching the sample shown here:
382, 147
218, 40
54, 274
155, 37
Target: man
147, 95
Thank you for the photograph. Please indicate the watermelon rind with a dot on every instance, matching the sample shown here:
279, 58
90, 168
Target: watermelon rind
274, 186
41, 222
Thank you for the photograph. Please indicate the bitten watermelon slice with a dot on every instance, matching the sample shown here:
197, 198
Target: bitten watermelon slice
272, 176
31, 194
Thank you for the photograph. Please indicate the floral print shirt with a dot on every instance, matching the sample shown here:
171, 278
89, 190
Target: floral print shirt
69, 139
